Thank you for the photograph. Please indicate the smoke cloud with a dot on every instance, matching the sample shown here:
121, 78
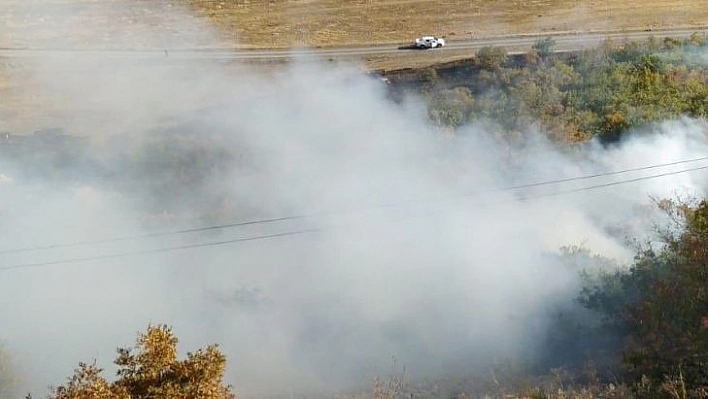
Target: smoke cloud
405, 240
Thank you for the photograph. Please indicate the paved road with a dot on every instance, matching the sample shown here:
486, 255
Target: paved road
512, 43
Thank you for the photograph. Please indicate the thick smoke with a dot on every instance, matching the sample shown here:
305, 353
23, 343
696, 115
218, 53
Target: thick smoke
407, 244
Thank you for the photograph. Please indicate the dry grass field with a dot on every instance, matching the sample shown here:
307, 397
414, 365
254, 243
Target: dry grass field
192, 24
284, 23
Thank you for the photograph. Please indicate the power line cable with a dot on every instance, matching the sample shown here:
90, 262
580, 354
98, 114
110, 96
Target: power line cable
552, 182
155, 234
616, 183
613, 173
157, 250
299, 232
330, 213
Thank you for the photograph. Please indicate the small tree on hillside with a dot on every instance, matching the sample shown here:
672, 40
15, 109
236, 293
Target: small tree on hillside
490, 58
151, 370
544, 47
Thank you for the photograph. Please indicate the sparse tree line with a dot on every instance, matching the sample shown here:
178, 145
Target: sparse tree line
602, 92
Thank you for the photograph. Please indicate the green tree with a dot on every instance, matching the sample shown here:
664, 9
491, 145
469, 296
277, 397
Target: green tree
697, 39
151, 370
429, 75
490, 58
601, 92
660, 305
451, 107
544, 47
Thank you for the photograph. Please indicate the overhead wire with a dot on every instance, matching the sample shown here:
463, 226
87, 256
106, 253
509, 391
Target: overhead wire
154, 234
157, 250
616, 183
306, 231
612, 173
332, 213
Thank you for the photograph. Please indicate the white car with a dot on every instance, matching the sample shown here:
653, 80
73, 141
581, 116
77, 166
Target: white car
429, 42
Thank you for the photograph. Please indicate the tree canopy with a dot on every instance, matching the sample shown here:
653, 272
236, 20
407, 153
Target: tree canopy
601, 92
151, 370
660, 307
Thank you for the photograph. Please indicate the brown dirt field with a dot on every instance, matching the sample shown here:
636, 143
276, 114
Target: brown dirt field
284, 23
158, 24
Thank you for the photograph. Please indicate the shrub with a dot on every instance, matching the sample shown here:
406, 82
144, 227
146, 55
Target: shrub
151, 370
544, 47
490, 58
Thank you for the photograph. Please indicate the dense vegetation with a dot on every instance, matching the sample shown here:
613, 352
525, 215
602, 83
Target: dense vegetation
646, 326
660, 308
633, 332
601, 92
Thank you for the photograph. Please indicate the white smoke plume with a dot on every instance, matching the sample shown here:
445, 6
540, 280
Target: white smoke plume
408, 245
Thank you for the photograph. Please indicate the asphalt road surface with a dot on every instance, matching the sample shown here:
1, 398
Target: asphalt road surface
564, 42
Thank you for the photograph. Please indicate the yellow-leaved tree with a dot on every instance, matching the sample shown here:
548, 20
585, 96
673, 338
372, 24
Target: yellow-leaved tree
151, 370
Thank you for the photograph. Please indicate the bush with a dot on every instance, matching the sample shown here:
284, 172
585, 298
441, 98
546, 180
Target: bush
429, 75
451, 107
544, 47
151, 370
490, 58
